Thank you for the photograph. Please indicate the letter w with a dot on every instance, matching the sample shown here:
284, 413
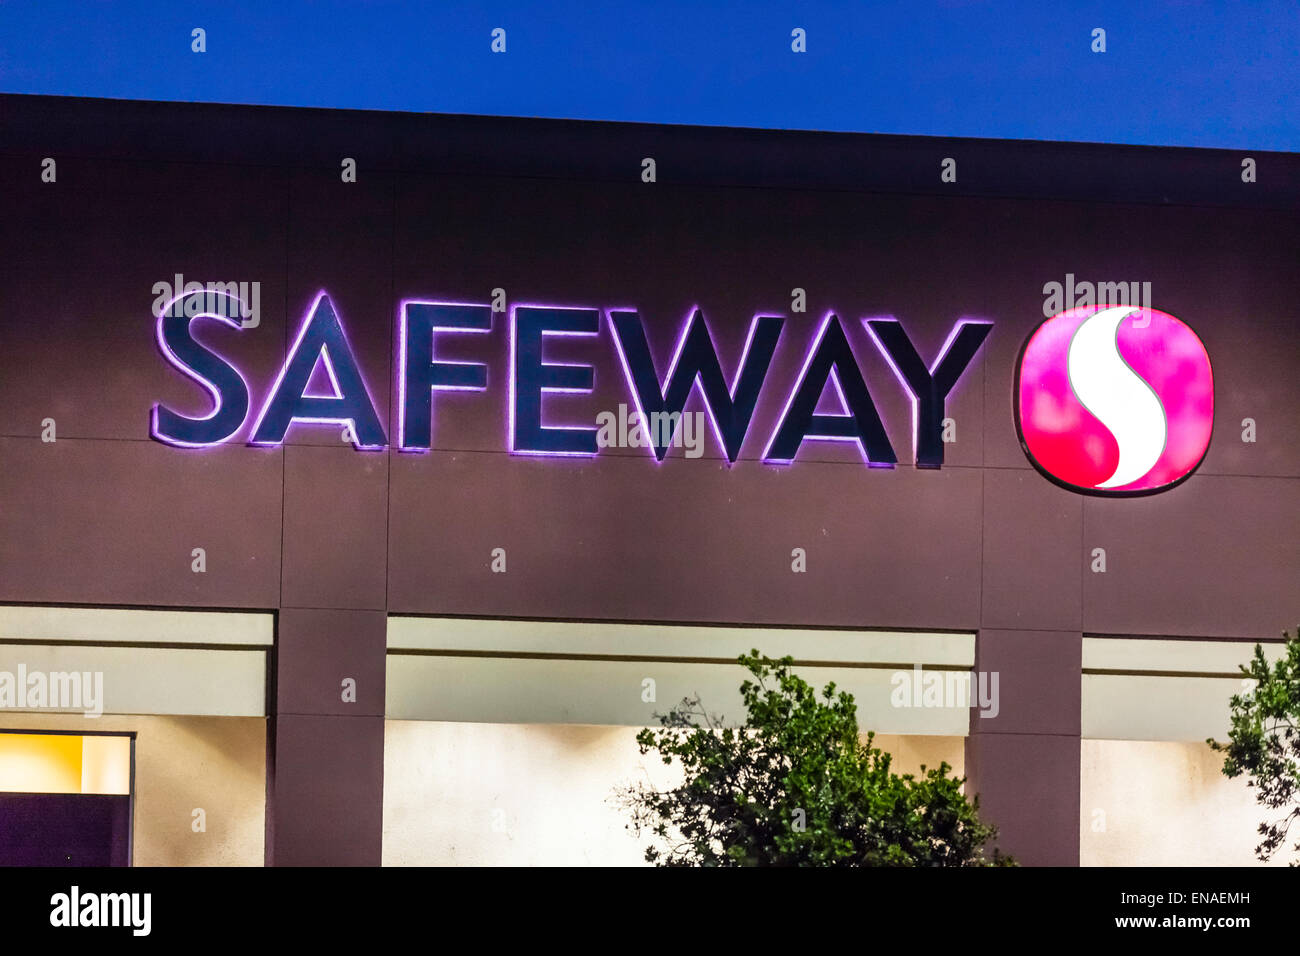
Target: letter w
696, 360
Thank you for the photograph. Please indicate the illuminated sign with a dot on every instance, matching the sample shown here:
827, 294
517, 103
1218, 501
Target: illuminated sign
1114, 401
321, 341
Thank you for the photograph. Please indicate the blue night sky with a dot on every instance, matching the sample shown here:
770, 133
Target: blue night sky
1184, 74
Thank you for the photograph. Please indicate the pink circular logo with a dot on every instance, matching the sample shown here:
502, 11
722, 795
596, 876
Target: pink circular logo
1114, 400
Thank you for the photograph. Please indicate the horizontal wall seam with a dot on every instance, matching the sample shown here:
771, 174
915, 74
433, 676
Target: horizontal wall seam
169, 608
884, 630
1190, 638
165, 645
654, 659
1123, 672
614, 455
317, 607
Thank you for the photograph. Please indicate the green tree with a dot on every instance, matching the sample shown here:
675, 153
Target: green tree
797, 786
1264, 744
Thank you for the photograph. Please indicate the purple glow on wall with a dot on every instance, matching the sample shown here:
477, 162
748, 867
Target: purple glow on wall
510, 400
188, 372
889, 360
844, 354
798, 385
401, 365
682, 336
284, 367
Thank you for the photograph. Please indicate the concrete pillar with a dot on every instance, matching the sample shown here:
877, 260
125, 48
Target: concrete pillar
1024, 762
325, 759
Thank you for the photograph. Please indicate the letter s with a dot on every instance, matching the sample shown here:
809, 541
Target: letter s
222, 381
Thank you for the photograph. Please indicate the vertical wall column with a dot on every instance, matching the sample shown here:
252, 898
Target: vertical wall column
325, 768
325, 761
1024, 762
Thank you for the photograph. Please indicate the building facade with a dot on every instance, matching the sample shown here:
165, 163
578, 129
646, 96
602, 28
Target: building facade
375, 565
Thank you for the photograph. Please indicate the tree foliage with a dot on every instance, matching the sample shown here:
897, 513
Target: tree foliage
1263, 743
797, 786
